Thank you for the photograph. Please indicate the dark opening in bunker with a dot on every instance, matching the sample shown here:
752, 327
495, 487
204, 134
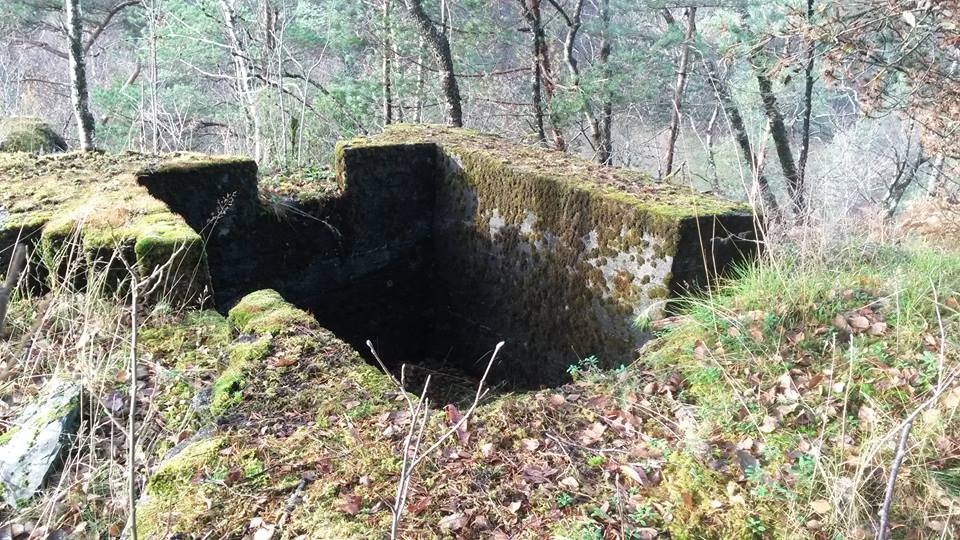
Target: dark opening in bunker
436, 253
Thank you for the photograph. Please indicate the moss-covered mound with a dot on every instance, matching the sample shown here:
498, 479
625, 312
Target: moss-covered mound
288, 397
80, 208
26, 134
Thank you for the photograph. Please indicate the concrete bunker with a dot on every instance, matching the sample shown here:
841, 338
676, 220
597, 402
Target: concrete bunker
436, 243
441, 242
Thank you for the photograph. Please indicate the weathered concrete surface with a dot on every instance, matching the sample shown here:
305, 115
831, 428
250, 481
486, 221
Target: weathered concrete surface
437, 244
31, 449
554, 254
441, 242
93, 208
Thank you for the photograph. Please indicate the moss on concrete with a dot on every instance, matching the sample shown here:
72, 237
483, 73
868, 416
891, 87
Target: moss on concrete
91, 204
322, 397
266, 312
228, 388
173, 500
526, 233
662, 201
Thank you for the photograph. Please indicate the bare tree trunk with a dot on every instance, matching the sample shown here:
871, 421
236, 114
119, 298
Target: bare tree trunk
769, 201
531, 13
675, 119
711, 155
604, 143
244, 90
904, 175
154, 79
78, 75
937, 184
573, 27
421, 80
781, 142
441, 50
387, 61
807, 101
547, 77
549, 91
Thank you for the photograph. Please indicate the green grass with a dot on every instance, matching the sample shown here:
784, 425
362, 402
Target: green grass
771, 357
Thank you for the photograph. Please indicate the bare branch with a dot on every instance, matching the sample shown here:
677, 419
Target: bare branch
17, 263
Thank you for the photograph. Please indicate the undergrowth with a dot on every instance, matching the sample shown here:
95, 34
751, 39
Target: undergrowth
769, 408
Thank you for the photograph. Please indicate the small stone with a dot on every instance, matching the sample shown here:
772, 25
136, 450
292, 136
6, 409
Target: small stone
859, 322
32, 450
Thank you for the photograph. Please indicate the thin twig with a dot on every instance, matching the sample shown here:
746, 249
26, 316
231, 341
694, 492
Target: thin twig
131, 427
892, 481
419, 414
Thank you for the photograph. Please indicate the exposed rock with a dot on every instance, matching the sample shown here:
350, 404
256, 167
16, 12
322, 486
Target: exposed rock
26, 134
31, 449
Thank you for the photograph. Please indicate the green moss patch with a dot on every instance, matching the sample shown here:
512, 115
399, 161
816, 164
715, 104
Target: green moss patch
266, 312
90, 206
26, 134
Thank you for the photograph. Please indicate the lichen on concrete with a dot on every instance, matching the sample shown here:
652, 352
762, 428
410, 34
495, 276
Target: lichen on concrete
31, 448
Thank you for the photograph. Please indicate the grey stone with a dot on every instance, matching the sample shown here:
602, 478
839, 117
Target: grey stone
27, 134
31, 450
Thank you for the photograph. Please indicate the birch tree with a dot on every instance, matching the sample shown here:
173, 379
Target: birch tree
244, 87
79, 94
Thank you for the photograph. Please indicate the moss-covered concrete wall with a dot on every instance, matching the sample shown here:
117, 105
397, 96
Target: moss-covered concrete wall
438, 244
82, 210
556, 255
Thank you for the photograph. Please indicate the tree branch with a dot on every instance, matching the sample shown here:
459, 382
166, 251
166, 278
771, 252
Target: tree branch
17, 263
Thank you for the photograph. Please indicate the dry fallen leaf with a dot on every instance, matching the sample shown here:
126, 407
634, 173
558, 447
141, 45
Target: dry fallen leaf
570, 483
453, 522
768, 425
633, 474
645, 533
821, 506
952, 399
350, 505
700, 350
858, 322
285, 361
530, 444
264, 533
486, 449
